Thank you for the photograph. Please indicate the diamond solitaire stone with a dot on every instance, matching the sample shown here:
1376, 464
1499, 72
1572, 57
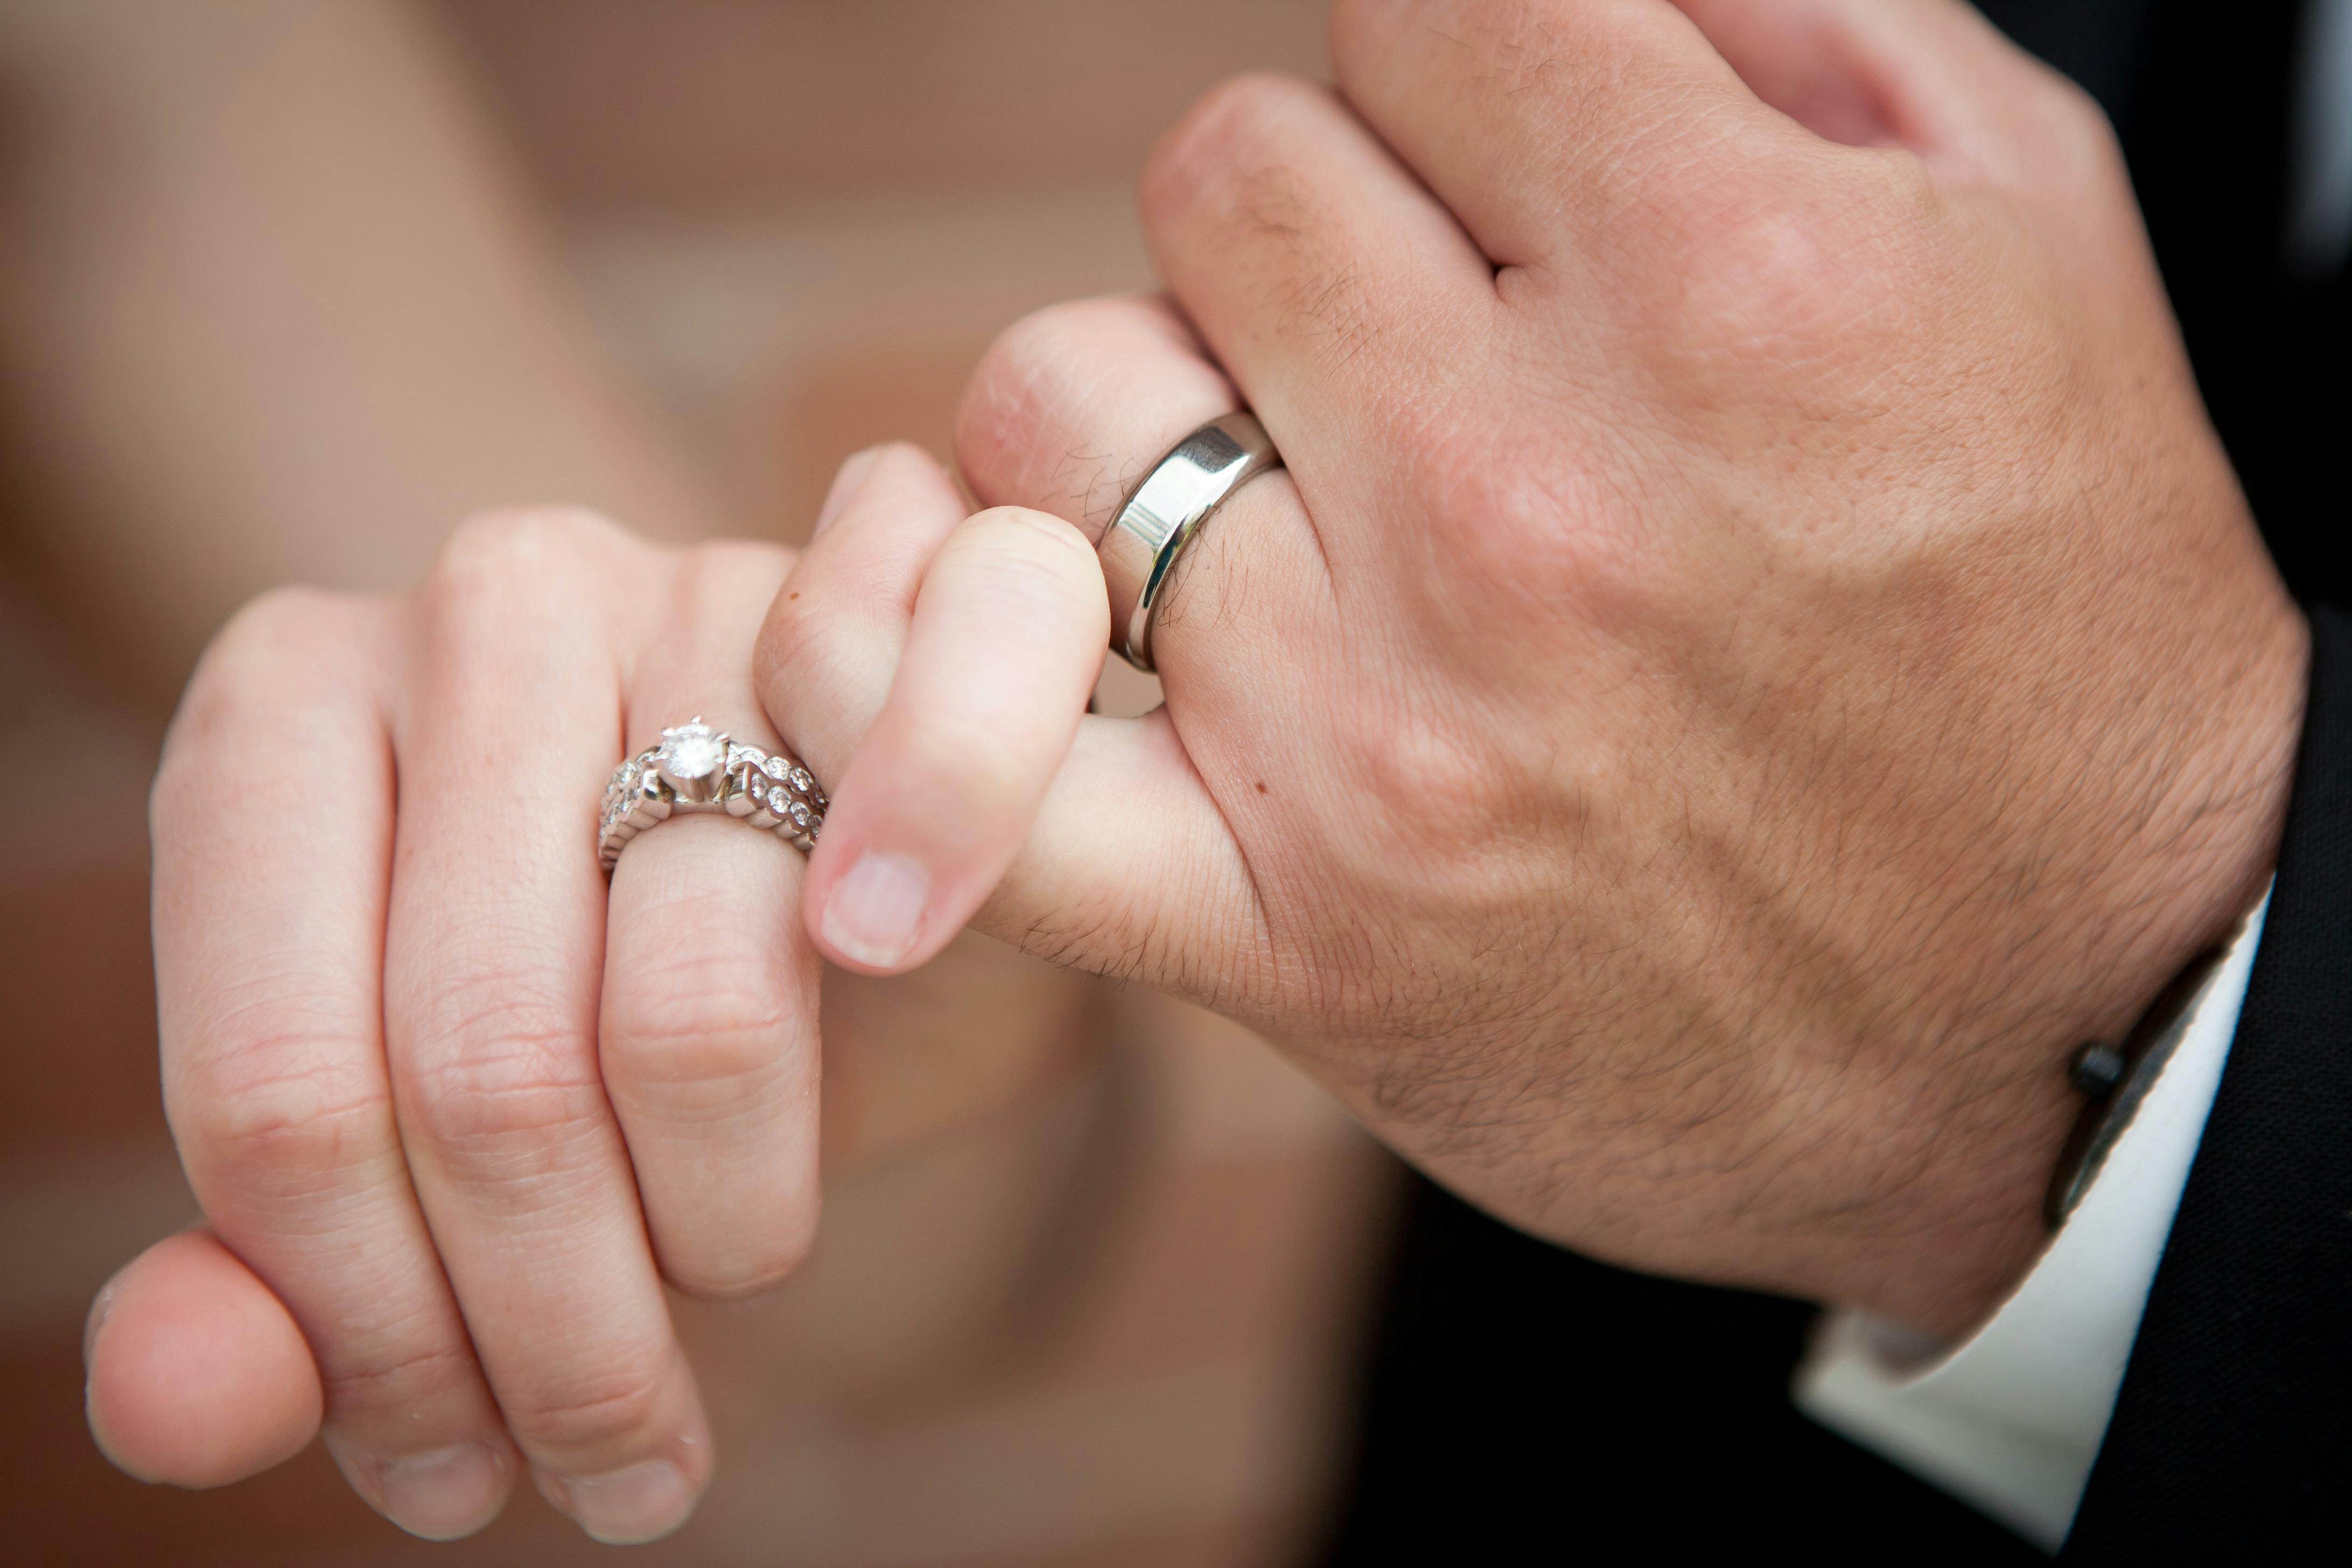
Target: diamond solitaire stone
697, 769
691, 752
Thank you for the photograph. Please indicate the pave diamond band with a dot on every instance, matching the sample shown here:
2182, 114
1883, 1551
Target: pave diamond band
698, 769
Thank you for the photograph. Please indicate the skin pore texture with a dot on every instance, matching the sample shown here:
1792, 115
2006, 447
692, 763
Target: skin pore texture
275, 305
1756, 654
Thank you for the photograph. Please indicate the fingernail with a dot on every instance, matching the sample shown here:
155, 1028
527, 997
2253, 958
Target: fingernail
627, 1507
99, 1308
444, 1494
846, 486
875, 912
105, 1441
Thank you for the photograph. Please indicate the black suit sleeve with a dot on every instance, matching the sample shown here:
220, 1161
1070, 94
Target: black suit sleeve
2233, 1433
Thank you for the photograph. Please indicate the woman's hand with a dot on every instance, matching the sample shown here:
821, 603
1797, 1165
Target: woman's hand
1756, 654
453, 1111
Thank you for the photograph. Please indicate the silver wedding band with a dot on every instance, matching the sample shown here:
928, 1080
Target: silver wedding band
1165, 513
698, 769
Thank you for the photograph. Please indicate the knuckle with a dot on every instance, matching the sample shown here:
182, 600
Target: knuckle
524, 540
1054, 336
1226, 141
1525, 533
505, 575
293, 1103
398, 1376
1032, 557
501, 1071
688, 1026
589, 1414
1448, 796
1774, 277
1024, 391
277, 646
1817, 285
1226, 173
289, 623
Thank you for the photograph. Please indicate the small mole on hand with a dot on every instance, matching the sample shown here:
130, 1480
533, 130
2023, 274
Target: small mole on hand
1261, 786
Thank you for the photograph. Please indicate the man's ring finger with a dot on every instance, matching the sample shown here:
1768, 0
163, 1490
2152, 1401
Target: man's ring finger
1163, 514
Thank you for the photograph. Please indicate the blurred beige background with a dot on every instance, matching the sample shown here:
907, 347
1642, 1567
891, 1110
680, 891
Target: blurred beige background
800, 223
1111, 1326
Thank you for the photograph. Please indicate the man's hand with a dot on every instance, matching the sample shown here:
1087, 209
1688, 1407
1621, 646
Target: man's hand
1756, 654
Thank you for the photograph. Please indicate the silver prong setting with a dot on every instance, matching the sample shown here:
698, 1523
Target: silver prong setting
698, 769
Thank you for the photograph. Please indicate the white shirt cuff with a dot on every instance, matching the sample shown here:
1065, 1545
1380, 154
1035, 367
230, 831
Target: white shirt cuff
2010, 1421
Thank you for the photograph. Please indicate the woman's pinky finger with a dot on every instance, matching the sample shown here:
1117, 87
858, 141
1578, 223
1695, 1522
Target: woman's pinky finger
931, 669
1008, 637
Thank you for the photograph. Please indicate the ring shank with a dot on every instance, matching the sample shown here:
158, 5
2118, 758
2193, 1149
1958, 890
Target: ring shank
1173, 503
770, 791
